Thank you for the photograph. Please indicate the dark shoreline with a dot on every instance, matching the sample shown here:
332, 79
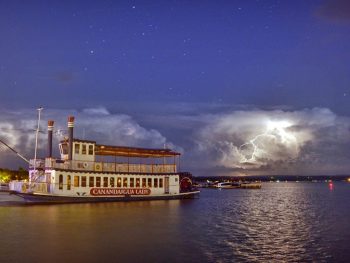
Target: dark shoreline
268, 178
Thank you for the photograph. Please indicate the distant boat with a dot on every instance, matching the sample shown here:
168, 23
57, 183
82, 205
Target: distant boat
228, 185
233, 185
120, 174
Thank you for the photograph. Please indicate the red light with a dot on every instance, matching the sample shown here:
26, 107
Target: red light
330, 186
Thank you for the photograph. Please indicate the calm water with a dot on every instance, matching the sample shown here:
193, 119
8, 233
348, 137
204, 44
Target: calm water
291, 222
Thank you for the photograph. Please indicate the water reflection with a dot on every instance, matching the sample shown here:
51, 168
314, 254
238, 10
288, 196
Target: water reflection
279, 227
90, 232
280, 222
330, 185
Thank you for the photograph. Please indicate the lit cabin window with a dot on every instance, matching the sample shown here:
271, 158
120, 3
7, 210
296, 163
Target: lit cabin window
155, 182
111, 181
69, 182
105, 181
60, 182
76, 181
98, 181
91, 181
132, 182
137, 182
91, 149
143, 182
83, 181
76, 148
83, 149
149, 182
119, 182
125, 182
160, 182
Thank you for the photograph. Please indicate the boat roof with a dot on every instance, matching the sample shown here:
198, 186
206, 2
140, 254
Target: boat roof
133, 151
65, 140
125, 151
87, 141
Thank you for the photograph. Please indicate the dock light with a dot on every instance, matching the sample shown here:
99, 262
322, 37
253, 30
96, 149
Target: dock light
348, 180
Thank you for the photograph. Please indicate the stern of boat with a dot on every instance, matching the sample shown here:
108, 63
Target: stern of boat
26, 187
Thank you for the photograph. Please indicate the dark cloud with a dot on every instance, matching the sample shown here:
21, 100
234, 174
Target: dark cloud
335, 10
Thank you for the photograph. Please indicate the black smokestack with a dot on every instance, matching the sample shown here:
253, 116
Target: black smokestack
70, 136
50, 124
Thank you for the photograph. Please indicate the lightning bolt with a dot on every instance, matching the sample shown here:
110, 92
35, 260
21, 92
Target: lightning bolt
255, 151
275, 130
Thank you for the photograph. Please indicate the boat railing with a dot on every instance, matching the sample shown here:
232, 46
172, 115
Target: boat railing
37, 163
109, 167
38, 187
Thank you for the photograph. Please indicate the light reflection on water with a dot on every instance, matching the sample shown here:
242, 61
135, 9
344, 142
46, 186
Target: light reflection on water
291, 222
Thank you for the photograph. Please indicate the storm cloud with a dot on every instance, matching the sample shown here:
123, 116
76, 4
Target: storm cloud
310, 141
239, 142
17, 128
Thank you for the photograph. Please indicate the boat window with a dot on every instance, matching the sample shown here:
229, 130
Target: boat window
91, 181
149, 182
160, 182
119, 182
155, 182
91, 149
105, 181
60, 182
111, 181
76, 181
125, 182
83, 181
76, 148
83, 150
176, 179
69, 182
131, 182
137, 182
98, 181
143, 182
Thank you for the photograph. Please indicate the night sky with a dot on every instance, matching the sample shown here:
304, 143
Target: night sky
240, 87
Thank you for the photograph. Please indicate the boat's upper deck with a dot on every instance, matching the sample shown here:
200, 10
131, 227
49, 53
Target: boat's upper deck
91, 157
88, 156
87, 150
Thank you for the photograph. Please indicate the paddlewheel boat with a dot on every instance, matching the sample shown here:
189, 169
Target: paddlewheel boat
91, 172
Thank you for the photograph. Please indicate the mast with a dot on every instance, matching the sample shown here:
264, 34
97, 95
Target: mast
36, 138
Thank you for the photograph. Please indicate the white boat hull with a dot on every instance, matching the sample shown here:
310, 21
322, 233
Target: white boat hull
35, 198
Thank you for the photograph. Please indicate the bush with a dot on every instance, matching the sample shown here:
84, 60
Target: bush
8, 175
